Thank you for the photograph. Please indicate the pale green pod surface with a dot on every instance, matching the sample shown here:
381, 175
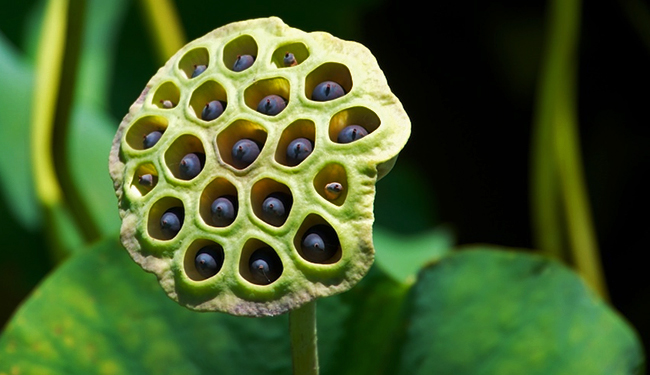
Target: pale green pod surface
333, 186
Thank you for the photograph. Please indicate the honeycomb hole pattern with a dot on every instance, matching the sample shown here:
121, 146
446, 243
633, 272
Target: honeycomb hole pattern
254, 93
189, 259
204, 94
299, 51
240, 129
182, 146
361, 116
143, 126
252, 249
167, 95
334, 72
156, 212
334, 186
261, 190
298, 129
191, 59
331, 183
219, 187
144, 179
311, 221
242, 45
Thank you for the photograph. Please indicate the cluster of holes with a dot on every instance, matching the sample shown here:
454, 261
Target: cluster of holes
238, 145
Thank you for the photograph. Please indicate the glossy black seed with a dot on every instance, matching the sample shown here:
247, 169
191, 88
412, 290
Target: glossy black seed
289, 59
172, 221
167, 104
265, 266
198, 69
244, 152
146, 179
276, 208
243, 62
212, 110
208, 261
271, 105
327, 90
298, 150
224, 209
351, 133
151, 139
191, 165
319, 243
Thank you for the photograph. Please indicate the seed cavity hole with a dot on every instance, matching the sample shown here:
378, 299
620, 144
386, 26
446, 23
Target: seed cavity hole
296, 143
271, 201
185, 158
289, 55
203, 259
145, 132
194, 62
259, 263
317, 241
240, 53
241, 143
353, 124
331, 183
219, 204
327, 82
166, 218
208, 101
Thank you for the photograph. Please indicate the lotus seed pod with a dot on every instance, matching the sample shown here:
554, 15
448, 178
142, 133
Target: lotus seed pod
212, 230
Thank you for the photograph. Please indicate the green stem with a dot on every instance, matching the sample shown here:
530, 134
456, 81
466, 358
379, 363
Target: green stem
56, 64
302, 329
561, 215
164, 26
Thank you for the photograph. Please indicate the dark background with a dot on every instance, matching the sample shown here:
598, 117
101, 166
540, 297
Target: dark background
466, 73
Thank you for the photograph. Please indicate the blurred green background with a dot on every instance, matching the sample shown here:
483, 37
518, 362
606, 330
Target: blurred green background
467, 74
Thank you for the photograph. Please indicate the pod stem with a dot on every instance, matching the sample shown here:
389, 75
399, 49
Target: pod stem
304, 349
561, 214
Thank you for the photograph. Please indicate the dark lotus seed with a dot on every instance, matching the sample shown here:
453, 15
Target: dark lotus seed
243, 62
276, 207
151, 139
212, 110
333, 190
289, 59
224, 210
271, 105
244, 152
298, 150
208, 261
146, 179
172, 221
198, 69
265, 266
327, 90
191, 165
319, 243
351, 133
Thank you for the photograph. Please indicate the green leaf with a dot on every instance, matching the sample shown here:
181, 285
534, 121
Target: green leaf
90, 142
16, 182
99, 313
402, 257
357, 330
497, 312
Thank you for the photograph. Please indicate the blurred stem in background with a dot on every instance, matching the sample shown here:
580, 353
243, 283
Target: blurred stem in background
56, 67
164, 26
562, 223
